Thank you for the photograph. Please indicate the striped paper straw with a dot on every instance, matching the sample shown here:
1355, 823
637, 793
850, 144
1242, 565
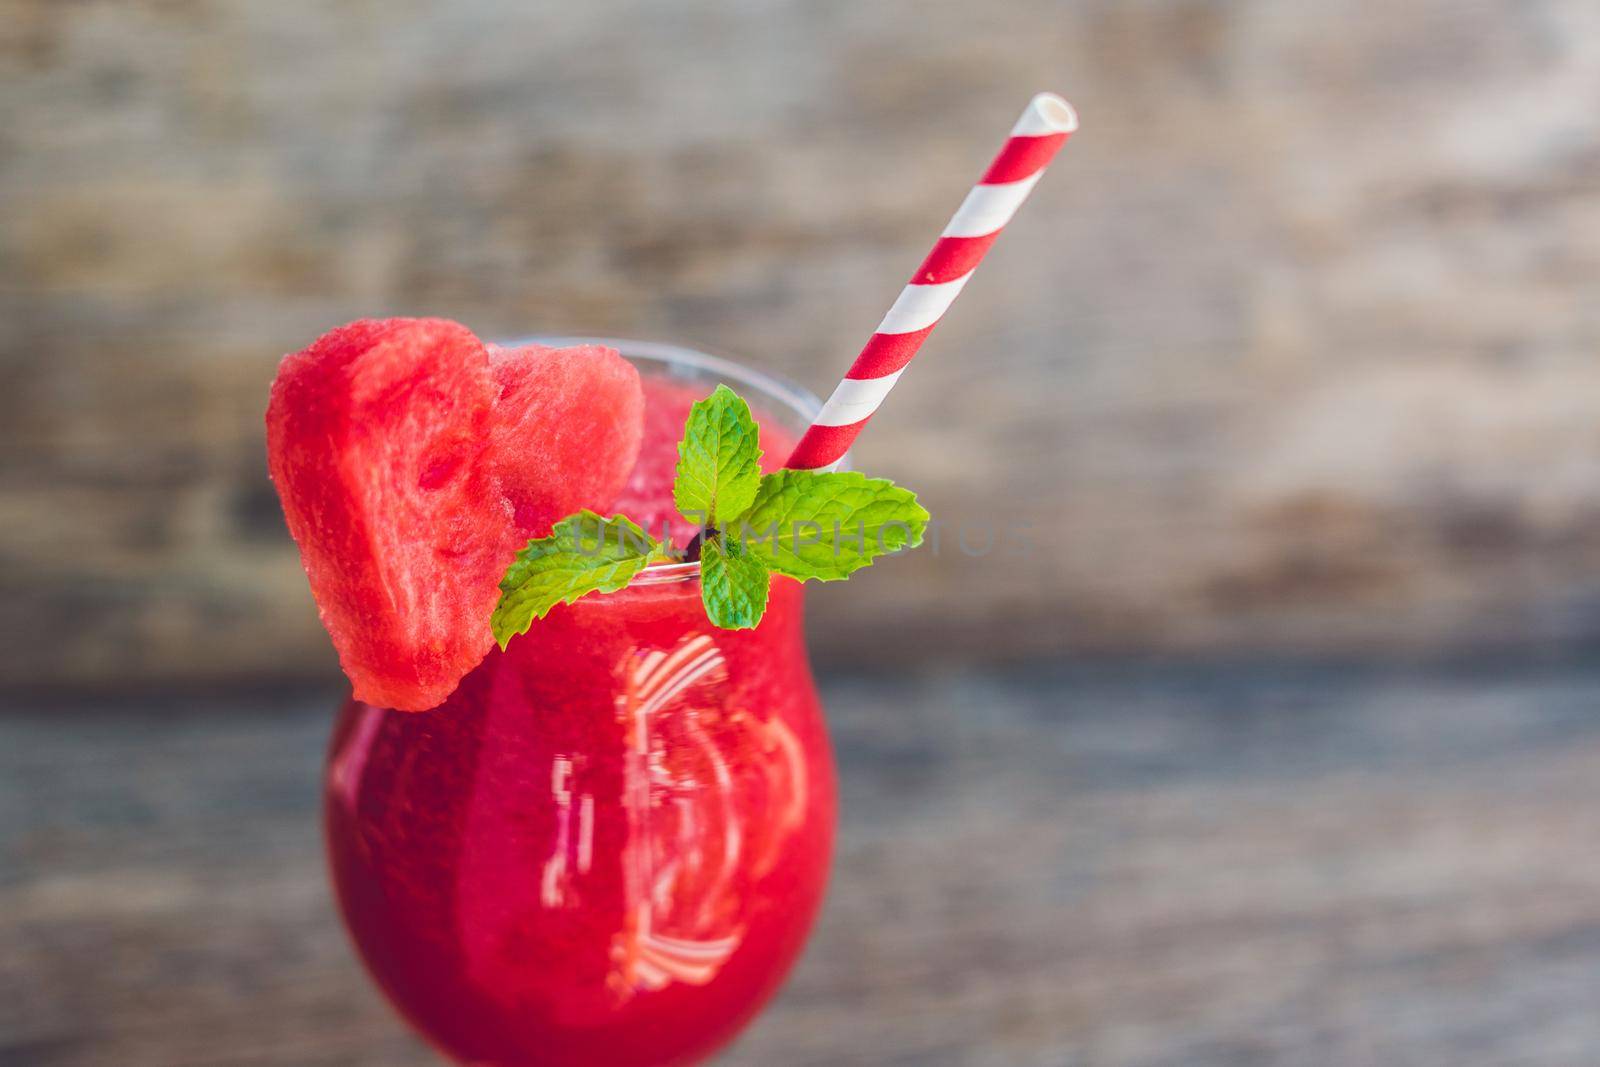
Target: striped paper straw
1041, 131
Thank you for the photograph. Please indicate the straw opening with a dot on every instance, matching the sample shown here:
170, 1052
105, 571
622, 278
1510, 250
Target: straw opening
1055, 113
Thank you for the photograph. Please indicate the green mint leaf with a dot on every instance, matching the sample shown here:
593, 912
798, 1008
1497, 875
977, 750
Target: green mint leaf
733, 584
719, 461
584, 553
825, 525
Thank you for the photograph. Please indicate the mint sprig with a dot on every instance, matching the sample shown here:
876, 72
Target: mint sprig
808, 525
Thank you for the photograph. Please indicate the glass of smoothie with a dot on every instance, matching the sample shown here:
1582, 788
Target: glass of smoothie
607, 847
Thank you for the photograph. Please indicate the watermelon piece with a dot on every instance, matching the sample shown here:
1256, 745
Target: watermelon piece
376, 440
411, 471
568, 422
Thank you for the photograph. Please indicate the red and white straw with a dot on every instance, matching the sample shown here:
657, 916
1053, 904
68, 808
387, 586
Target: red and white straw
1038, 135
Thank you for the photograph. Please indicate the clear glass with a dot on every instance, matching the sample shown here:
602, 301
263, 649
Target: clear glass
609, 845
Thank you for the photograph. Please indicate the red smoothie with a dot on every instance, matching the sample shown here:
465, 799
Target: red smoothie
607, 847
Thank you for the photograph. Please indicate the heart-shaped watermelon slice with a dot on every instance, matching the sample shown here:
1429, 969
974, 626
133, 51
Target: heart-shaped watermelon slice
397, 482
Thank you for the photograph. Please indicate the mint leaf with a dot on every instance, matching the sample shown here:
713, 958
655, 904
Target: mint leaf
733, 584
719, 461
826, 525
584, 553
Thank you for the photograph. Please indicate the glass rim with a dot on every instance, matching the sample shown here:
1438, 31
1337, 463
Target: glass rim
791, 395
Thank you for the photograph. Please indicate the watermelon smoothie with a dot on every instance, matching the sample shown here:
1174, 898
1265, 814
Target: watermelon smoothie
609, 844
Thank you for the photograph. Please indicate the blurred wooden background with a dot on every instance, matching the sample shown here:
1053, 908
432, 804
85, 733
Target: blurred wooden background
1294, 350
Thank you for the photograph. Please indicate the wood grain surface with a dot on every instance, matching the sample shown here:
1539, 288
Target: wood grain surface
1090, 867
1293, 349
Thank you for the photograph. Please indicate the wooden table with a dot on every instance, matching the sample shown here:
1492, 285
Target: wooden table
1130, 865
